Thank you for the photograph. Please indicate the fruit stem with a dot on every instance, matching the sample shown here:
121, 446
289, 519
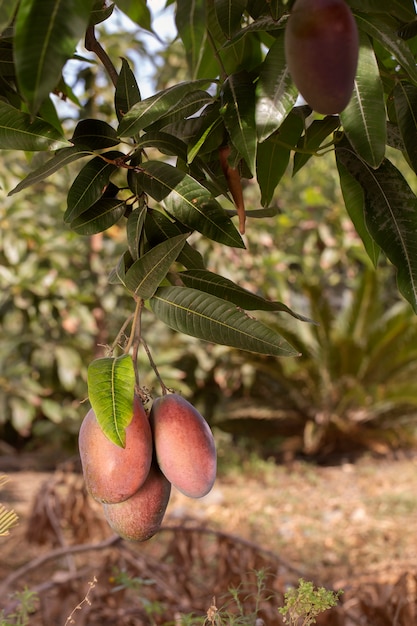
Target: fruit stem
164, 388
135, 336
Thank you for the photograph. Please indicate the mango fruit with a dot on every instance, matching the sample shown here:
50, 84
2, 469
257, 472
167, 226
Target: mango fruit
139, 517
321, 49
113, 474
184, 445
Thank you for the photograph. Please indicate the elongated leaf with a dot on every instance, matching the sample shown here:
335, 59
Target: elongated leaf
405, 100
159, 227
137, 11
212, 319
274, 154
127, 91
94, 134
46, 35
223, 288
313, 138
99, 216
186, 107
229, 15
391, 216
89, 185
189, 202
147, 111
62, 158
276, 93
403, 9
19, 132
378, 29
164, 142
146, 274
364, 119
190, 20
111, 388
354, 199
7, 11
134, 229
238, 110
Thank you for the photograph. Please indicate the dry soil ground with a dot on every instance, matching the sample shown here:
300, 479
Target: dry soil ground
351, 526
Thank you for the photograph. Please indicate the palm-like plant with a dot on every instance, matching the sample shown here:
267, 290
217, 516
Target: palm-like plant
352, 386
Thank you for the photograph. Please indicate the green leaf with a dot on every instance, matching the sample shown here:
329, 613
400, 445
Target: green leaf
99, 216
364, 119
134, 229
18, 131
90, 184
313, 138
146, 274
379, 30
127, 91
212, 319
7, 11
94, 134
403, 9
188, 202
148, 111
391, 216
238, 112
164, 142
62, 158
274, 155
137, 11
159, 227
183, 110
229, 15
276, 93
46, 35
223, 288
190, 20
353, 197
405, 100
111, 388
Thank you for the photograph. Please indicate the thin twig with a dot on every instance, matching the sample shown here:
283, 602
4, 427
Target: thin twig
93, 45
164, 388
55, 554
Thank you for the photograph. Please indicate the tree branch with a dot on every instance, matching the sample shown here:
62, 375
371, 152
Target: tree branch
93, 45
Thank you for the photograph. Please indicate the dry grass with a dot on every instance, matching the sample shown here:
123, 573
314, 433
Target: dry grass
349, 526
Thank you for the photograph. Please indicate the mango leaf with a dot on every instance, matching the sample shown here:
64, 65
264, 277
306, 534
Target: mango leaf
137, 11
94, 134
184, 109
188, 201
276, 93
127, 91
190, 20
134, 229
238, 112
353, 197
89, 185
405, 100
18, 131
146, 274
364, 118
111, 388
229, 15
7, 11
313, 138
62, 158
403, 9
148, 111
159, 227
379, 30
46, 35
164, 142
210, 318
391, 216
223, 288
99, 216
274, 154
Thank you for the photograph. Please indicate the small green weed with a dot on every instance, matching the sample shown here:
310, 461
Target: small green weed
26, 600
304, 603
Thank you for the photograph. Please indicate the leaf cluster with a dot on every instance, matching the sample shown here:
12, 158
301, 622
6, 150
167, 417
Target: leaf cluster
160, 167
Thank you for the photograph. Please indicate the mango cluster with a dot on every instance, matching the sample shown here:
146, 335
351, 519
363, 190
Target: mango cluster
174, 446
322, 49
